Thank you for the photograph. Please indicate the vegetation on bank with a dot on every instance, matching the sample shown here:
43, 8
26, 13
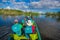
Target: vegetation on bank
19, 12
53, 14
16, 12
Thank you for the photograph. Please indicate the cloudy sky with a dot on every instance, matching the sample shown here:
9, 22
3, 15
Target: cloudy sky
32, 5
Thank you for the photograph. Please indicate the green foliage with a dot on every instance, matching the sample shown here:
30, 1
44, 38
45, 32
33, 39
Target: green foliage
31, 14
58, 13
53, 14
16, 12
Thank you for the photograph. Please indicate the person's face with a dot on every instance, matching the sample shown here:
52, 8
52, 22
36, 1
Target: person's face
16, 22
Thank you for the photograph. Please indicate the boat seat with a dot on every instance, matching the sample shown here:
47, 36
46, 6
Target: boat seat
16, 37
34, 36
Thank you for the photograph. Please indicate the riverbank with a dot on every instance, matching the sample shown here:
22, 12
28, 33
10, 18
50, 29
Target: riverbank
17, 12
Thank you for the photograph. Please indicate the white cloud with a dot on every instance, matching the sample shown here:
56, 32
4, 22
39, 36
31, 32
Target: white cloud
42, 4
40, 12
8, 7
51, 4
20, 5
26, 10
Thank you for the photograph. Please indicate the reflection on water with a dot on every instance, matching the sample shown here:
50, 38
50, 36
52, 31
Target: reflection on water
4, 20
58, 19
54, 17
9, 20
49, 27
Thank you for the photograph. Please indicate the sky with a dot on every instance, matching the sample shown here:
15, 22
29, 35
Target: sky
32, 5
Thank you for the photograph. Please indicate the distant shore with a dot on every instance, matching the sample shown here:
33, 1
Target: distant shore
17, 12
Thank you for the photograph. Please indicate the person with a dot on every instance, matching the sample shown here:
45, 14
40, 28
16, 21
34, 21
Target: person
28, 28
24, 22
31, 23
16, 28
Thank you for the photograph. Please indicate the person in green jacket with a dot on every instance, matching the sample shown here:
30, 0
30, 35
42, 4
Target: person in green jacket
16, 28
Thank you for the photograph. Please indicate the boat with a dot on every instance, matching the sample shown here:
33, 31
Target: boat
32, 36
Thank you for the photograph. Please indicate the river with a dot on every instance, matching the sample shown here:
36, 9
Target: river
48, 27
